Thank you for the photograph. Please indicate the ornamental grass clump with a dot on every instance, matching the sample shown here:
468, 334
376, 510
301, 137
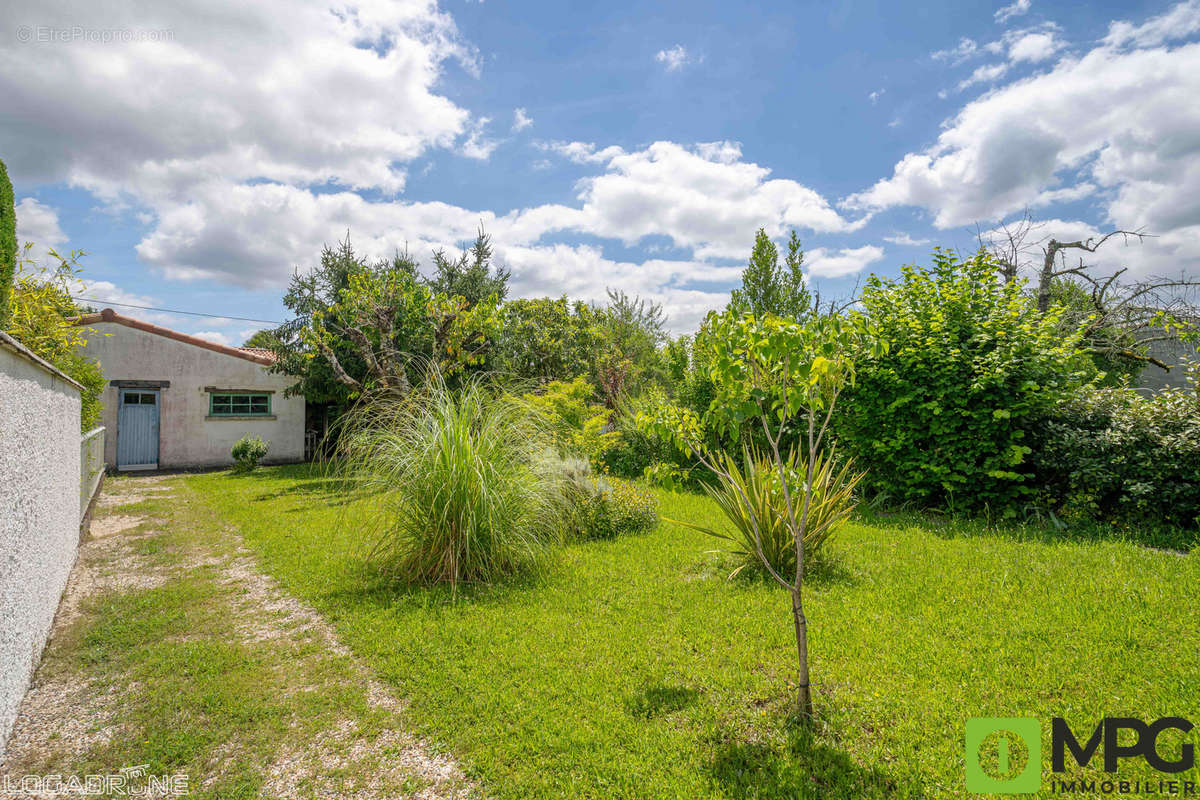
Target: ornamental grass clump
752, 500
460, 492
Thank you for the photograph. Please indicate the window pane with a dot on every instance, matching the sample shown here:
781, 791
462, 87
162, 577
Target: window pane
147, 399
132, 399
241, 405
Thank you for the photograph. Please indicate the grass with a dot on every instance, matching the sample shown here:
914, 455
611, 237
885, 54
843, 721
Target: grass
632, 668
172, 675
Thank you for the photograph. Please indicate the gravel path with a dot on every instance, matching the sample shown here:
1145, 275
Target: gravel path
65, 715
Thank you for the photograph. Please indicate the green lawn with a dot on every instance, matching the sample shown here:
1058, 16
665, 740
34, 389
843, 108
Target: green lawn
632, 668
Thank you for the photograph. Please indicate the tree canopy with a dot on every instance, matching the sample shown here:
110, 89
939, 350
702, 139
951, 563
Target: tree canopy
769, 287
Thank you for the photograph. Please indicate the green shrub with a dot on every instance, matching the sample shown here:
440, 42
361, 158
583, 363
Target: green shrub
598, 507
41, 314
460, 487
666, 476
755, 493
1119, 457
637, 447
8, 242
579, 426
247, 452
943, 415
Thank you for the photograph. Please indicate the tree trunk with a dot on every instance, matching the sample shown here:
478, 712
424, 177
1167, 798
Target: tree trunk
804, 698
1046, 277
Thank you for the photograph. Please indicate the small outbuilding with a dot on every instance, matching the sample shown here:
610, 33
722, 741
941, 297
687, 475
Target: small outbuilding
176, 401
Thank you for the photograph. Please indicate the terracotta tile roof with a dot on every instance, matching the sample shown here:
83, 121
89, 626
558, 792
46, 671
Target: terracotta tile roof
256, 354
264, 352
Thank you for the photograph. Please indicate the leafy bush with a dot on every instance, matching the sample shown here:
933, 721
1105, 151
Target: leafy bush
666, 476
943, 414
638, 446
754, 491
1117, 456
578, 425
247, 452
459, 481
41, 314
599, 507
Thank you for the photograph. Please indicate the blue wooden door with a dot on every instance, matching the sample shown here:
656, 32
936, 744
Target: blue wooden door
137, 429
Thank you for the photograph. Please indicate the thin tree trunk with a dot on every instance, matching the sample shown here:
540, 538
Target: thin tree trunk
804, 697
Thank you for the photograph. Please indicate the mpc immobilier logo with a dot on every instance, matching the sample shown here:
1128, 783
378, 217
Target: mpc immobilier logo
1004, 756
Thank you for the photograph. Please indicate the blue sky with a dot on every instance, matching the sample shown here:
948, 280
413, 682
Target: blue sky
200, 152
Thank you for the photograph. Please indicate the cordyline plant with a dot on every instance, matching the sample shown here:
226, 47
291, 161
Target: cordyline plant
783, 376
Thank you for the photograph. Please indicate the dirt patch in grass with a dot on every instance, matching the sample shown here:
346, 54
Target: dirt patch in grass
171, 648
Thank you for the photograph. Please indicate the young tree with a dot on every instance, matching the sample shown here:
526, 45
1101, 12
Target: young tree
470, 276
632, 329
767, 287
774, 373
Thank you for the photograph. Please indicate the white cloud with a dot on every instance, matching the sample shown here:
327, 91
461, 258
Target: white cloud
1180, 22
521, 120
985, 74
904, 240
965, 48
823, 263
38, 223
1034, 47
477, 145
582, 152
705, 200
1015, 9
274, 90
875, 95
675, 58
100, 294
1117, 125
1064, 194
215, 336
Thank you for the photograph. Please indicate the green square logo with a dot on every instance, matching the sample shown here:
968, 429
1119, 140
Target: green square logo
1004, 755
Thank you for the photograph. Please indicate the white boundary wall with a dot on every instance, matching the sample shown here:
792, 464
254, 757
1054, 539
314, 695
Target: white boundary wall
39, 513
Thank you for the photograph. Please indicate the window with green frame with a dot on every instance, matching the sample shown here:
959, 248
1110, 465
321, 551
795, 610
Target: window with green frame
228, 404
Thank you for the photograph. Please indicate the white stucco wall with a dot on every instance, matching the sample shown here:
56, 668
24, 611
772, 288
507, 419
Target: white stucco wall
187, 437
39, 514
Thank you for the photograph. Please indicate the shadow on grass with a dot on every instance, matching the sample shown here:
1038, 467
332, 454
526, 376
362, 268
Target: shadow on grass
1034, 529
798, 763
332, 491
371, 586
828, 570
654, 701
